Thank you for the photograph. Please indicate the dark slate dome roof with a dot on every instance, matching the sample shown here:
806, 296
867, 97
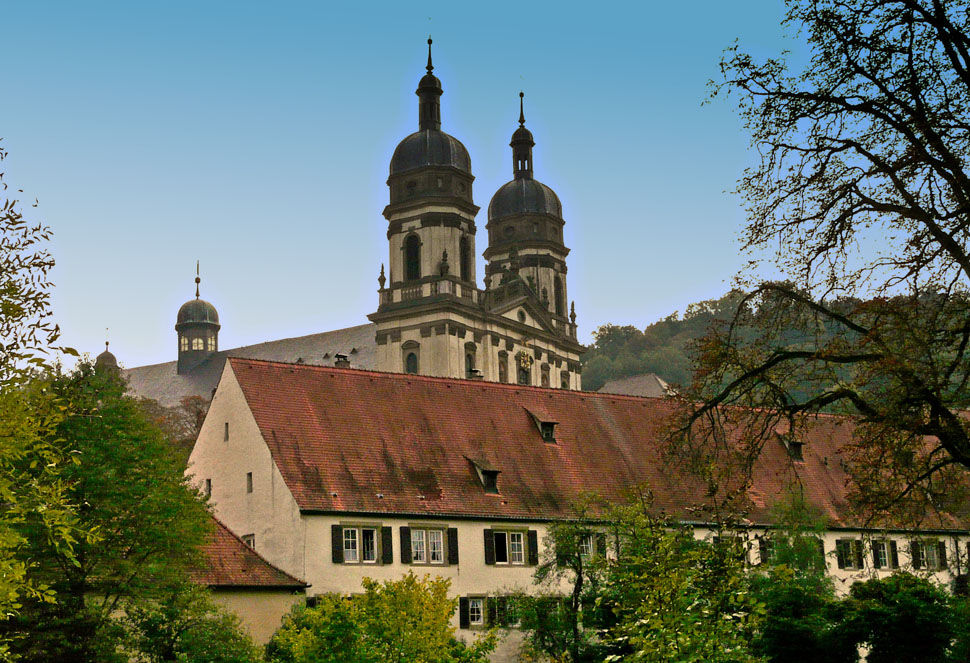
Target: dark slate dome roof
522, 135
106, 360
430, 148
524, 196
197, 311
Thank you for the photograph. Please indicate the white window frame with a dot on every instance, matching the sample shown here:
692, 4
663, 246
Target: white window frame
855, 551
586, 545
930, 555
355, 536
428, 546
419, 546
512, 557
249, 540
476, 603
351, 539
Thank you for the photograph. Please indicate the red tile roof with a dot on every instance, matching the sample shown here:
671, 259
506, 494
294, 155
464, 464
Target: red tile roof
231, 563
349, 440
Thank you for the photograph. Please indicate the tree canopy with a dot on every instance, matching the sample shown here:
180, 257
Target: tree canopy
860, 196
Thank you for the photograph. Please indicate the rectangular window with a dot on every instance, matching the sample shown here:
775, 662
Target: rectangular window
501, 547
516, 548
931, 556
848, 554
208, 487
436, 546
368, 545
225, 435
880, 555
586, 546
350, 544
476, 611
418, 550
249, 482
249, 540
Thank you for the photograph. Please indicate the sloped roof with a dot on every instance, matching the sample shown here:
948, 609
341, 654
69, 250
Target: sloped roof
162, 383
646, 384
359, 441
231, 563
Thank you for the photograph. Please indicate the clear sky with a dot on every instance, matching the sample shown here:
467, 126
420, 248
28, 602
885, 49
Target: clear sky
255, 137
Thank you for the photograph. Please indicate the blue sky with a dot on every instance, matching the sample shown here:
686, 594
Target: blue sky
255, 137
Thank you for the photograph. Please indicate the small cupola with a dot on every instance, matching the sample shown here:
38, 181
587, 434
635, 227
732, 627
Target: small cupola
197, 326
106, 361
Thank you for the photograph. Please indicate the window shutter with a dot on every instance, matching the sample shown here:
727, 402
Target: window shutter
942, 548
763, 549
875, 554
601, 545
840, 556
463, 620
894, 554
821, 552
452, 545
533, 547
503, 610
857, 545
337, 542
491, 611
387, 546
914, 554
489, 547
406, 545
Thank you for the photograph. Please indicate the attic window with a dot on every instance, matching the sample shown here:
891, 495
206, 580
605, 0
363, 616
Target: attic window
794, 447
545, 423
490, 481
487, 474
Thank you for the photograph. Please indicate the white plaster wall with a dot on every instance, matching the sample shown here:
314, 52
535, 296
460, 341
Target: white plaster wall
260, 611
269, 512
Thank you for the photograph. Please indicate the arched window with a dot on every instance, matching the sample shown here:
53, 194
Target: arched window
183, 343
503, 366
560, 297
412, 354
412, 258
210, 342
470, 351
411, 363
197, 344
465, 258
564, 379
545, 376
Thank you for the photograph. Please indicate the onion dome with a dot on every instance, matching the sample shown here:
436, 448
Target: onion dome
524, 194
105, 360
196, 312
429, 146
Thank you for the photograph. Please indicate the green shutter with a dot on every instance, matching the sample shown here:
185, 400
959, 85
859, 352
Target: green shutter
337, 543
406, 557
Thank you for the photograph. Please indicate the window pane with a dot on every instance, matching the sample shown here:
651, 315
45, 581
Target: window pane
368, 540
350, 545
417, 546
501, 548
475, 611
436, 546
516, 549
586, 545
929, 554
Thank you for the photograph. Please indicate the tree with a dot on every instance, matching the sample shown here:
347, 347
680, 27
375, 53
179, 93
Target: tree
392, 622
676, 598
566, 628
185, 625
901, 619
862, 188
129, 486
31, 486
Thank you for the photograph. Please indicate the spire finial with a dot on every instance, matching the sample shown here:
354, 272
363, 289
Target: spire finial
105, 339
521, 109
430, 66
197, 279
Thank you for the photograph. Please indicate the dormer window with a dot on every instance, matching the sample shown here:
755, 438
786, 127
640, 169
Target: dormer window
487, 474
545, 423
794, 447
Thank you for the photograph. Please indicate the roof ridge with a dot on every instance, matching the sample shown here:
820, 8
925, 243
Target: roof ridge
446, 380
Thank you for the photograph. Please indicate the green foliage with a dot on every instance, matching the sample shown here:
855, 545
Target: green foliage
184, 625
392, 622
31, 486
663, 348
676, 598
566, 627
130, 491
901, 619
